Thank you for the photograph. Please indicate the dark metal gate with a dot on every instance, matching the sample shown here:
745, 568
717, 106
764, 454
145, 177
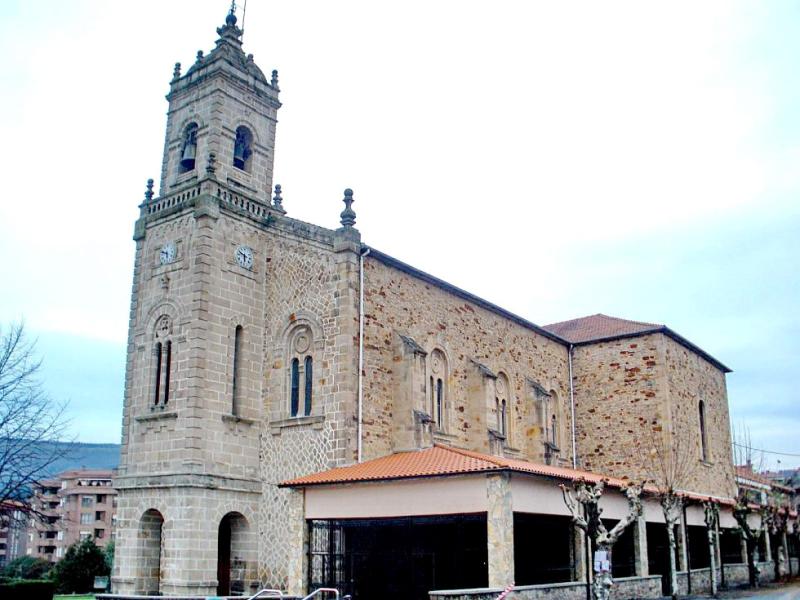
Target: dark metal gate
402, 558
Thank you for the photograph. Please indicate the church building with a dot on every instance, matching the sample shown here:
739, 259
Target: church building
303, 410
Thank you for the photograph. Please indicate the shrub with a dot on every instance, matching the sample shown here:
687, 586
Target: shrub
75, 572
27, 567
30, 589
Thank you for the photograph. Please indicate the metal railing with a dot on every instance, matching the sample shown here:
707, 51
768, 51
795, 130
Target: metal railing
279, 594
273, 593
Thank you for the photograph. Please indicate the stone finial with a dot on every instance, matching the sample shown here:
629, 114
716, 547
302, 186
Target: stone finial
199, 56
211, 164
348, 214
275, 78
277, 199
148, 195
231, 18
176, 72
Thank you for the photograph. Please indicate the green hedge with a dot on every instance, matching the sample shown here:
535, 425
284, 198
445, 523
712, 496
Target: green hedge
29, 589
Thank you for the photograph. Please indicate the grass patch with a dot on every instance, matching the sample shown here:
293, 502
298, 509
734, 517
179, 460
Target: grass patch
73, 597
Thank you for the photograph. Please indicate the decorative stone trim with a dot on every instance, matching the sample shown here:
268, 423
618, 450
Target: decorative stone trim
316, 422
237, 419
157, 416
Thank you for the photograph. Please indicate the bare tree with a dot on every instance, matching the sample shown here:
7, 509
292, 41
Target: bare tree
670, 462
32, 426
776, 522
711, 515
584, 507
742, 512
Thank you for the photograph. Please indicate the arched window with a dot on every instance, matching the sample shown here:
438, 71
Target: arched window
301, 372
502, 403
236, 383
157, 383
308, 367
554, 430
188, 149
162, 357
437, 389
243, 148
703, 434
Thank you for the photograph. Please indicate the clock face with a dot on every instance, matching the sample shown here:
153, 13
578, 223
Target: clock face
244, 257
168, 252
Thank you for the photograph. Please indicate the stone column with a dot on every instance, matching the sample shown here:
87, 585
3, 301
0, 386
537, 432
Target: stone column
682, 542
499, 530
297, 563
578, 543
767, 546
641, 566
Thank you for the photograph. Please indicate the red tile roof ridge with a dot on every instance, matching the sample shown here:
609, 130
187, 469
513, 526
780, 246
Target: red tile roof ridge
604, 316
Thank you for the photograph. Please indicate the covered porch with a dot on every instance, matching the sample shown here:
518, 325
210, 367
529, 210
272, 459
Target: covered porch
441, 521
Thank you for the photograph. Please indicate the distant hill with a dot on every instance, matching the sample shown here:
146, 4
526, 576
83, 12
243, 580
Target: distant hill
84, 456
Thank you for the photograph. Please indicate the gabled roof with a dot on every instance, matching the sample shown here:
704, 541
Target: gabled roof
599, 327
440, 460
602, 328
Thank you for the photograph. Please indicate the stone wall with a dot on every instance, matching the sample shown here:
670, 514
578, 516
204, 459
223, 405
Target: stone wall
630, 393
624, 589
303, 278
480, 347
691, 379
619, 393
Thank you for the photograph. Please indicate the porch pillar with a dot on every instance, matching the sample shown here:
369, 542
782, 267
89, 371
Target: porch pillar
578, 543
641, 566
297, 563
767, 546
500, 530
682, 542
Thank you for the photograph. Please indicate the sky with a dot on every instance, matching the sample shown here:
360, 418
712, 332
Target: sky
559, 159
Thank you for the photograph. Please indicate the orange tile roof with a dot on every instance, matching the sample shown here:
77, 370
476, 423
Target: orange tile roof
440, 460
746, 472
598, 327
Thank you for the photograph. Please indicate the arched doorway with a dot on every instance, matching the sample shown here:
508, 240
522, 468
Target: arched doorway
148, 573
233, 549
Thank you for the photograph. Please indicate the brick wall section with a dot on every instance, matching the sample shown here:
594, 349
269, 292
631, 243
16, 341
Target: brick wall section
631, 391
396, 303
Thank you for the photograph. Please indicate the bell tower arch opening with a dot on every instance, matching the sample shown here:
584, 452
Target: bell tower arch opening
234, 546
150, 552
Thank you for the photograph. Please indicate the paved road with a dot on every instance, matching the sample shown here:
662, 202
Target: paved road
791, 592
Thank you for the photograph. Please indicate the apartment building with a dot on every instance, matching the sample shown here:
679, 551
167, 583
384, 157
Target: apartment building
73, 506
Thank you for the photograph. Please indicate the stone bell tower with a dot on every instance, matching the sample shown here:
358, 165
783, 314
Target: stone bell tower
221, 120
189, 477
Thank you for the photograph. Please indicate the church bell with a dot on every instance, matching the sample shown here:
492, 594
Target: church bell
188, 155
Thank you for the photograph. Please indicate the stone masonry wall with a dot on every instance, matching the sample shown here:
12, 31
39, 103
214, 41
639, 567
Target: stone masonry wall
619, 393
398, 303
625, 588
631, 392
690, 379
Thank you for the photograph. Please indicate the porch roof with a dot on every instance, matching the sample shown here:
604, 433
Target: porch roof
440, 460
